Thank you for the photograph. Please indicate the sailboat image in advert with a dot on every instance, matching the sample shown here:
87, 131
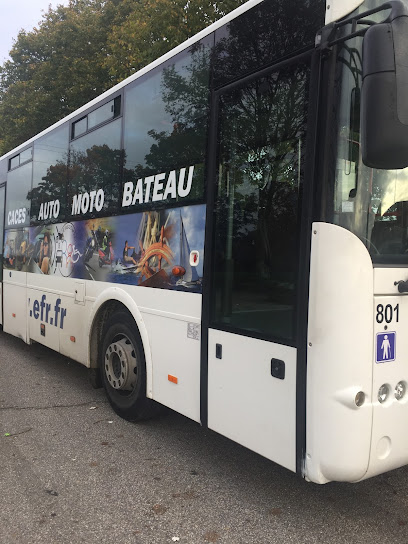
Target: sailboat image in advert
159, 253
188, 262
155, 256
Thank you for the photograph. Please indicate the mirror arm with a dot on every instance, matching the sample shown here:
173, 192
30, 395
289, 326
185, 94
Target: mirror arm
324, 39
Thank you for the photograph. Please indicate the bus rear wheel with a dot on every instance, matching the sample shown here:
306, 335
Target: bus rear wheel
123, 369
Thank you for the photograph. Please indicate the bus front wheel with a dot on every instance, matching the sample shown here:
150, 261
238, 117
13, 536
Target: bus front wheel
123, 369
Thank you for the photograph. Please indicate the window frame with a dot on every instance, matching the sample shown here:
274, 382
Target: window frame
108, 212
9, 159
206, 41
304, 209
84, 115
62, 216
26, 223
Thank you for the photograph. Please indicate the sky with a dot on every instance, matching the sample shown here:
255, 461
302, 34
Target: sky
20, 14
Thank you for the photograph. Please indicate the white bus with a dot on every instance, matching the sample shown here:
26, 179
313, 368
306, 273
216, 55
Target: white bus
226, 233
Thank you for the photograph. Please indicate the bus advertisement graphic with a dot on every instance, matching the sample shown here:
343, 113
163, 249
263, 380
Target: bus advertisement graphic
149, 249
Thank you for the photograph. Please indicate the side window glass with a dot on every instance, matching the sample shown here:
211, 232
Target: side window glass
255, 39
17, 201
79, 127
94, 172
2, 203
102, 114
3, 170
14, 162
261, 147
21, 158
49, 193
26, 155
166, 116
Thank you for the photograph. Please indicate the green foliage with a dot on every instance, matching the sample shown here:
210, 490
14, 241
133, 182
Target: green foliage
78, 52
153, 27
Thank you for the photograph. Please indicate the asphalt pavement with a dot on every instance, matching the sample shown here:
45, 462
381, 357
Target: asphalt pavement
72, 471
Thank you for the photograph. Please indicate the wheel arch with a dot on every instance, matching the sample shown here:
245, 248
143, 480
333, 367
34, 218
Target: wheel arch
108, 302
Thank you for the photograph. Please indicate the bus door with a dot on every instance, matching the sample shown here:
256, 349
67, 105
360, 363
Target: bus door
252, 355
2, 208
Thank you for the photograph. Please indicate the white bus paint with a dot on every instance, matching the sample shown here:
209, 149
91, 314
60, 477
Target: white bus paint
340, 355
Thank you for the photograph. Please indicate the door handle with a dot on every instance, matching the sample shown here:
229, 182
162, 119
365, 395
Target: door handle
278, 369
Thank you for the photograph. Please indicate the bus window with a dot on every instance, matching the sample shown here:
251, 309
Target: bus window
2, 199
21, 158
261, 138
17, 201
3, 171
166, 115
371, 203
26, 155
104, 113
79, 127
14, 162
94, 172
50, 176
253, 40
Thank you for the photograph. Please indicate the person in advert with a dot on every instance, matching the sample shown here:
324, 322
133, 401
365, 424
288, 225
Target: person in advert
44, 260
126, 257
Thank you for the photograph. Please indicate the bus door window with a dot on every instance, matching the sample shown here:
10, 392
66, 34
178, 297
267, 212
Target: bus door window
260, 169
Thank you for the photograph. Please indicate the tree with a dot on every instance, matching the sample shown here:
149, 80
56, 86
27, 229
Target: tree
154, 27
53, 70
79, 51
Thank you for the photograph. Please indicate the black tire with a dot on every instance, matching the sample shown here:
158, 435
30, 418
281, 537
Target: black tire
94, 378
123, 369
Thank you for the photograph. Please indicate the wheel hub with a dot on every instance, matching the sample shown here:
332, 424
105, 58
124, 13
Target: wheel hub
120, 364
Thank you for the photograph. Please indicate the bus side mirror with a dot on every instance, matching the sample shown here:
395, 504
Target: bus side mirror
384, 99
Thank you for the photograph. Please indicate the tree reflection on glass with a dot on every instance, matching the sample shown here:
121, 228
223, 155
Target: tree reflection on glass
273, 30
53, 186
262, 137
96, 168
178, 118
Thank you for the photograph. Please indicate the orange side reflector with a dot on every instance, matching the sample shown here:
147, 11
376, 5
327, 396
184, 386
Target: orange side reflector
14, 315
72, 338
172, 379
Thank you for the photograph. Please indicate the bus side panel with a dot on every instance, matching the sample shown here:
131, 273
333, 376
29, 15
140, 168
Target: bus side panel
389, 443
42, 317
73, 336
56, 314
175, 346
173, 323
15, 303
340, 354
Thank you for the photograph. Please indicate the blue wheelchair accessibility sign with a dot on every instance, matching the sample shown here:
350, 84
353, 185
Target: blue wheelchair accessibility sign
385, 347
